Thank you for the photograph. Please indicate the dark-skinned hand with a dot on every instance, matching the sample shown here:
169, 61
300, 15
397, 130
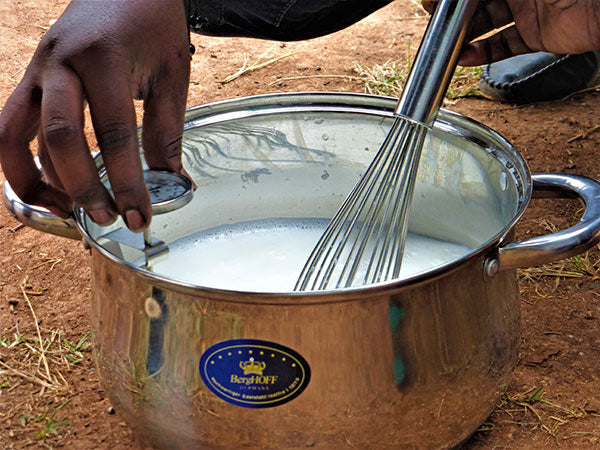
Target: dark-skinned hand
105, 53
555, 26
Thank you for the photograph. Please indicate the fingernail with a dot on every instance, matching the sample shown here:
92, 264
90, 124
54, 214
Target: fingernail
134, 220
101, 217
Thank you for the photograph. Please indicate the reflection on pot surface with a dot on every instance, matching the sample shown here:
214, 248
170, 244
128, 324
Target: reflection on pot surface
191, 359
422, 367
394, 366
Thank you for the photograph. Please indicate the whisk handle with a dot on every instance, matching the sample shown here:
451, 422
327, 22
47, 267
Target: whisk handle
436, 60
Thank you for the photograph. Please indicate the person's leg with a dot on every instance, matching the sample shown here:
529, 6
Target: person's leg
282, 20
538, 77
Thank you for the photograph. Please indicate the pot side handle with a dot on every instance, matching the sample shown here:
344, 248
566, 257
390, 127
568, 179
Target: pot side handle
37, 217
524, 253
572, 241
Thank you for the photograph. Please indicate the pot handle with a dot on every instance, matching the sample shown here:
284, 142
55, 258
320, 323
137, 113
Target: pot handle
524, 253
572, 241
37, 217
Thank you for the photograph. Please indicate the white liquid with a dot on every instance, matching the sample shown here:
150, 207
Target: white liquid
268, 255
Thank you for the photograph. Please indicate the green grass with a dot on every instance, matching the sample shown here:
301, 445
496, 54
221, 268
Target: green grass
535, 397
51, 426
465, 83
74, 352
4, 382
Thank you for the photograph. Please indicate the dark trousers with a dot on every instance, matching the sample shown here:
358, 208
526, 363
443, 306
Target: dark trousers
281, 20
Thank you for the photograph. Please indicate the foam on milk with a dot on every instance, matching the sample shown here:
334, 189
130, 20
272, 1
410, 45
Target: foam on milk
268, 255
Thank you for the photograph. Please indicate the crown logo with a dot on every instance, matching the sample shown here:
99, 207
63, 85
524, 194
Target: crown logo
252, 367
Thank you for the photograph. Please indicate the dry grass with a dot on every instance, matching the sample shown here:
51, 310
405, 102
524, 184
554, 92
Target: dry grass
578, 266
35, 363
584, 135
257, 64
585, 265
390, 77
387, 79
533, 410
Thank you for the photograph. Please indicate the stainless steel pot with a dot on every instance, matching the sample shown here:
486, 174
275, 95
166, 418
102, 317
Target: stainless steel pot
416, 362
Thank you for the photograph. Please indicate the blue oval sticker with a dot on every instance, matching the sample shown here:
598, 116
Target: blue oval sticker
254, 373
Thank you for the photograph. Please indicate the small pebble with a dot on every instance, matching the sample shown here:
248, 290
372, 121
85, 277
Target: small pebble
592, 406
110, 410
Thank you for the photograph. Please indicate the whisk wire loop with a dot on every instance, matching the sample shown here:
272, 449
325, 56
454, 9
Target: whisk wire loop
386, 246
340, 227
365, 240
375, 213
359, 245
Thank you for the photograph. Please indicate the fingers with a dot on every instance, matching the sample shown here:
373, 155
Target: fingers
164, 114
490, 15
429, 5
63, 140
19, 124
113, 117
48, 171
502, 45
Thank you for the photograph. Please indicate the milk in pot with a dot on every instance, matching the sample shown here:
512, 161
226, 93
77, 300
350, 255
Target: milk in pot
268, 255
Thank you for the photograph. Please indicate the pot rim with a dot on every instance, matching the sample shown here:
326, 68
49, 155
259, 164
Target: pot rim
265, 104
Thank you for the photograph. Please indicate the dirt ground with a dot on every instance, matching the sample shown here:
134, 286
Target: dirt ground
553, 399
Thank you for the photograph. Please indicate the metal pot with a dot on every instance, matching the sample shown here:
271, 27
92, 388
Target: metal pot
415, 362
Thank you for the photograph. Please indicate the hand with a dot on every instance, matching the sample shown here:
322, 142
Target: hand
106, 53
555, 26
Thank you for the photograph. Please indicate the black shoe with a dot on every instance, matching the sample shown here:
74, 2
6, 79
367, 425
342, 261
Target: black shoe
538, 77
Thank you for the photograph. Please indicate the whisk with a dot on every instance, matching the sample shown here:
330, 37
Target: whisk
364, 242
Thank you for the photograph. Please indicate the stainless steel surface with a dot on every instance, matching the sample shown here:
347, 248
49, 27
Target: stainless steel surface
419, 369
565, 243
380, 108
153, 249
416, 363
295, 155
435, 60
168, 192
37, 217
370, 227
